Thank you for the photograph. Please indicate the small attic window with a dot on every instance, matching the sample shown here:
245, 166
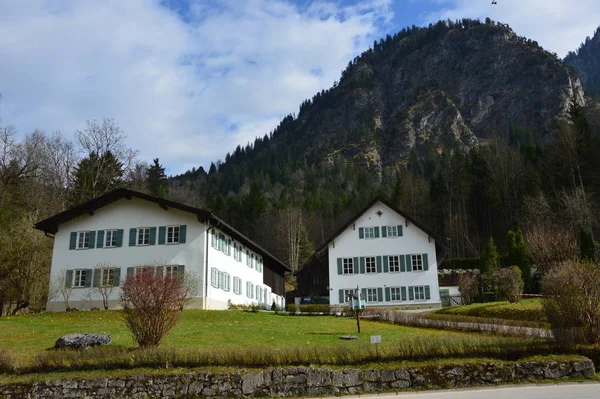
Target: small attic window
379, 213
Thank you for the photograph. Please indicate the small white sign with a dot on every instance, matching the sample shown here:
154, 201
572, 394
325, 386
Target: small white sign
375, 339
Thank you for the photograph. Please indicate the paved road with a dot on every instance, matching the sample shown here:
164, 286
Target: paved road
563, 391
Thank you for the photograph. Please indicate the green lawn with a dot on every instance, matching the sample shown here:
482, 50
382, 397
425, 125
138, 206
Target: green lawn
526, 310
28, 334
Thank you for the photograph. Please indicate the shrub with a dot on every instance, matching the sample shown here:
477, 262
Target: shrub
7, 361
510, 284
490, 259
571, 297
152, 304
468, 286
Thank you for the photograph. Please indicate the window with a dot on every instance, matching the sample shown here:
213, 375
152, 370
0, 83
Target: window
259, 263
228, 251
107, 276
248, 261
249, 289
172, 234
83, 239
394, 263
417, 262
348, 294
237, 285
419, 293
143, 236
214, 277
258, 293
239, 253
171, 271
225, 281
369, 232
79, 278
213, 242
144, 270
395, 294
392, 231
371, 265
372, 295
348, 264
252, 261
221, 242
110, 238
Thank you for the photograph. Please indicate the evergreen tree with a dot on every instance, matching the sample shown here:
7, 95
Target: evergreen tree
254, 204
157, 180
517, 256
489, 258
398, 195
586, 245
96, 175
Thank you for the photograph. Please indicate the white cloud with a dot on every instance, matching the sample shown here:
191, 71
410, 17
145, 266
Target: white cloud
558, 25
176, 85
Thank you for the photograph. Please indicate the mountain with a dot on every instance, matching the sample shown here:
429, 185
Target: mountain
586, 60
453, 122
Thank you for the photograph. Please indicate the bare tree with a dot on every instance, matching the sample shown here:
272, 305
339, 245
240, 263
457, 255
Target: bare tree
62, 286
104, 281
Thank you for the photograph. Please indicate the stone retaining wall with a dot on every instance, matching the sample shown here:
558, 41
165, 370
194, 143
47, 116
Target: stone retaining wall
299, 381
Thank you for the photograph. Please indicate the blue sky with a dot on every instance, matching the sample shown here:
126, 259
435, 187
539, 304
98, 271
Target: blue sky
188, 80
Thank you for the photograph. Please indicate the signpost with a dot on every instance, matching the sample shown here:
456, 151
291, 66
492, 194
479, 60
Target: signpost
376, 339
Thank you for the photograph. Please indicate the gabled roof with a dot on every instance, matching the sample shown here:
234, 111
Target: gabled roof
51, 224
362, 212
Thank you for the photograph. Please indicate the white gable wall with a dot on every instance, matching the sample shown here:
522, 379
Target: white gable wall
413, 241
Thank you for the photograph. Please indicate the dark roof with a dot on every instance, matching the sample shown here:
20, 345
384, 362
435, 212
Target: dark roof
51, 224
360, 213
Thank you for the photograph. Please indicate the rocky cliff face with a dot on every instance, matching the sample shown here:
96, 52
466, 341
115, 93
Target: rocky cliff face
586, 60
434, 89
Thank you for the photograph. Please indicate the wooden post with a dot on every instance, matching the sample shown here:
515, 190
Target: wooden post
358, 319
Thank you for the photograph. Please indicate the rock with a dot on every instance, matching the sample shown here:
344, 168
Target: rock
82, 341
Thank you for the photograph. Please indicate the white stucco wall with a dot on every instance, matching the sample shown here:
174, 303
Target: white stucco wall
125, 214
413, 241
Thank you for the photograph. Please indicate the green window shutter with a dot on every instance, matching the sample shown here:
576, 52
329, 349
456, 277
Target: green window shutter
341, 296
362, 265
388, 294
376, 228
386, 264
180, 271
162, 233
340, 270
100, 240
117, 277
384, 231
182, 233
69, 278
363, 293
92, 239
355, 265
152, 237
402, 263
403, 292
97, 273
88, 277
427, 292
132, 234
73, 240
409, 263
120, 238
411, 293
379, 268
379, 294
361, 233
399, 230
130, 272
425, 262
160, 271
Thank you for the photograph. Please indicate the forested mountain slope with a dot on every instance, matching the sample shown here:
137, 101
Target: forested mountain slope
391, 126
586, 60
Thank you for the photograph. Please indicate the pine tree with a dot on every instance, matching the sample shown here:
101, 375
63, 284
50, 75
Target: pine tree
489, 258
96, 175
157, 180
398, 195
517, 256
586, 245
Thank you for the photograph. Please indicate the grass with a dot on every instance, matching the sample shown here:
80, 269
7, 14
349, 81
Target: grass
245, 339
528, 310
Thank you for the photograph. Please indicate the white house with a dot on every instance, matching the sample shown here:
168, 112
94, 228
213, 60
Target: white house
100, 242
383, 252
